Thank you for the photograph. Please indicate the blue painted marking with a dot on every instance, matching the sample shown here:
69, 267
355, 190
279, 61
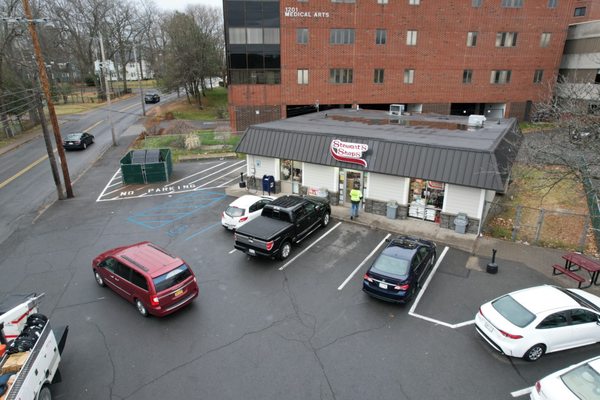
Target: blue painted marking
202, 231
174, 210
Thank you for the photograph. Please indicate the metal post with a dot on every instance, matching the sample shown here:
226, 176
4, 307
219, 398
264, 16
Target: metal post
538, 230
140, 82
517, 223
44, 81
104, 65
49, 150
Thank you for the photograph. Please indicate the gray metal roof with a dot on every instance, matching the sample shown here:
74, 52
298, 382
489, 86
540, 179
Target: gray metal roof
433, 147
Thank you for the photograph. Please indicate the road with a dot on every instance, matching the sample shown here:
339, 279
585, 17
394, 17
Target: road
26, 183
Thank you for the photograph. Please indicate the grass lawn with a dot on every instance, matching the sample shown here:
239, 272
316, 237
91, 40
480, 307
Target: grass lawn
214, 106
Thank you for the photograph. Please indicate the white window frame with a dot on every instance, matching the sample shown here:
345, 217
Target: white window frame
414, 2
411, 38
409, 76
378, 76
467, 73
500, 76
538, 76
512, 3
506, 39
303, 77
380, 36
300, 34
545, 39
472, 39
382, 1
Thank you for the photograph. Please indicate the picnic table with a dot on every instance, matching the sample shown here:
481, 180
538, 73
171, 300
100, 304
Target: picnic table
576, 262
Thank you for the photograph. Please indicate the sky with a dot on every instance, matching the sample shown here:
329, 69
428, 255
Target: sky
179, 5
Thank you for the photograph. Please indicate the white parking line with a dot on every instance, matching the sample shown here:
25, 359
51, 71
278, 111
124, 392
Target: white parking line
220, 177
422, 291
232, 251
311, 245
196, 173
216, 172
364, 261
522, 392
106, 187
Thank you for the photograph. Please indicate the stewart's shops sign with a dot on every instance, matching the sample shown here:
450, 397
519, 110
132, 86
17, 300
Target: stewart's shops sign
349, 152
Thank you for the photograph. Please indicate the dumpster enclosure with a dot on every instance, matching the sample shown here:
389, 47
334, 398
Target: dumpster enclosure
146, 166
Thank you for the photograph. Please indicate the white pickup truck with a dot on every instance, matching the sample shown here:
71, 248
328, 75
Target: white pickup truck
29, 350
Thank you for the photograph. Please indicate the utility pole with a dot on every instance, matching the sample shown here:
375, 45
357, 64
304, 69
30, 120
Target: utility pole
104, 65
44, 81
139, 73
49, 149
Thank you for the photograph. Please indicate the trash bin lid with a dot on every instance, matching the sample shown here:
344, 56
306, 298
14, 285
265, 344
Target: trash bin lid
152, 156
138, 156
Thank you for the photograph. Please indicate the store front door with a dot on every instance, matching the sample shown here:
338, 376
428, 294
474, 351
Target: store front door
351, 178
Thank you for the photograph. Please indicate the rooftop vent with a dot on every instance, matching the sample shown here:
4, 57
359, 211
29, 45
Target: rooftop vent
476, 120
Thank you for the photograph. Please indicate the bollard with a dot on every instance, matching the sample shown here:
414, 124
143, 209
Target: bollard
492, 267
242, 183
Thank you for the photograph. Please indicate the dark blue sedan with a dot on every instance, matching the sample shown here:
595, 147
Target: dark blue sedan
79, 140
400, 269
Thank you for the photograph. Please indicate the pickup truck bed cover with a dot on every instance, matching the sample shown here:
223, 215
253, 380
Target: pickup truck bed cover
263, 227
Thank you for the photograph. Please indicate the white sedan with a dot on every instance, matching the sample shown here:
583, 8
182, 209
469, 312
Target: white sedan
579, 381
542, 319
243, 210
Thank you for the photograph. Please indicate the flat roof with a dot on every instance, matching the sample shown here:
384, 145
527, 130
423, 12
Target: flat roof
436, 147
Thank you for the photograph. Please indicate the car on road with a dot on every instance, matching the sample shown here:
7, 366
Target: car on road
243, 210
78, 140
531, 322
400, 269
576, 382
146, 275
151, 97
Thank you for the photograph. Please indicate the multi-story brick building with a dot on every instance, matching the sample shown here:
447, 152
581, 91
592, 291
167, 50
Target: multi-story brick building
461, 57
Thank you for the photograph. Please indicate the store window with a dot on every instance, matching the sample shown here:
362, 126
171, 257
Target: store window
426, 199
291, 176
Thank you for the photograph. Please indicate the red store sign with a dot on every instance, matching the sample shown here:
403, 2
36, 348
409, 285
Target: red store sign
348, 152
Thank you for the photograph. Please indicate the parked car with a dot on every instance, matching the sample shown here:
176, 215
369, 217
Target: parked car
78, 140
576, 382
531, 322
151, 97
400, 269
285, 221
157, 282
243, 210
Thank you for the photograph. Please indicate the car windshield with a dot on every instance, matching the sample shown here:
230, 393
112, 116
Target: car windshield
583, 381
172, 278
73, 136
234, 211
391, 265
513, 311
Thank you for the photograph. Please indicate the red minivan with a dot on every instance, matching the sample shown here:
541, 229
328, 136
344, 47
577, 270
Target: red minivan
157, 282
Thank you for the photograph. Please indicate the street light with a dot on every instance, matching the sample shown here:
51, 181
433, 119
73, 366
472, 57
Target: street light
44, 81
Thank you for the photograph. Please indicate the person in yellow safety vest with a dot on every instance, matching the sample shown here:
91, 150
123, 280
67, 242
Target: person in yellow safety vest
355, 196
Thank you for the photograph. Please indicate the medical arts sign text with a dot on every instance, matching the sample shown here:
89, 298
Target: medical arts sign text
294, 12
349, 152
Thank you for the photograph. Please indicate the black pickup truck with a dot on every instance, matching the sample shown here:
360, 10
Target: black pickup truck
284, 221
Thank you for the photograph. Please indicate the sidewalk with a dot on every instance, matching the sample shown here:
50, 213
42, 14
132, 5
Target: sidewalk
538, 258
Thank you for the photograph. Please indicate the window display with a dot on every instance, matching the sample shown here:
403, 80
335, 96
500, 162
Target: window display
426, 199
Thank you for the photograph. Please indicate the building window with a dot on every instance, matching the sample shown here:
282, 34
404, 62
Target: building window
476, 3
378, 76
512, 3
343, 1
506, 39
340, 75
237, 35
537, 77
471, 39
597, 80
302, 77
341, 36
380, 36
254, 35
414, 2
271, 35
545, 39
382, 1
552, 3
411, 38
409, 76
500, 76
467, 75
302, 35
579, 12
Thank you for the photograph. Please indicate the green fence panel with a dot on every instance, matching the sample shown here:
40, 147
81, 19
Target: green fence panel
132, 174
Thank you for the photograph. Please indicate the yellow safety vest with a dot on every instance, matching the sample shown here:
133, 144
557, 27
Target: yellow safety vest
355, 195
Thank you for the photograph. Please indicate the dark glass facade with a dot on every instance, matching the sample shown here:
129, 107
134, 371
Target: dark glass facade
253, 44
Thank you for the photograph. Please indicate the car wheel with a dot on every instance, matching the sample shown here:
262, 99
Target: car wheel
286, 249
45, 394
141, 308
84, 145
99, 279
325, 220
535, 352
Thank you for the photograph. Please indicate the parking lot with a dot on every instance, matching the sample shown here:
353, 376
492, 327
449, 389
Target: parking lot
260, 329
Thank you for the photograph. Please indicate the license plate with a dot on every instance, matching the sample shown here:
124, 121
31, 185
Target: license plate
488, 326
178, 292
252, 252
70, 143
383, 285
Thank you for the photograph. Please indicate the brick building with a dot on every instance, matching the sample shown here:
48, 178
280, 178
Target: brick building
460, 57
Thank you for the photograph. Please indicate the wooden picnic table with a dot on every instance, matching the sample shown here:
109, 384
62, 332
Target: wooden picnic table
577, 261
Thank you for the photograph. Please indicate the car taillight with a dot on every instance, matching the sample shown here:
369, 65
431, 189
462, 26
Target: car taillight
402, 287
538, 387
243, 219
510, 335
367, 277
269, 245
154, 300
480, 312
